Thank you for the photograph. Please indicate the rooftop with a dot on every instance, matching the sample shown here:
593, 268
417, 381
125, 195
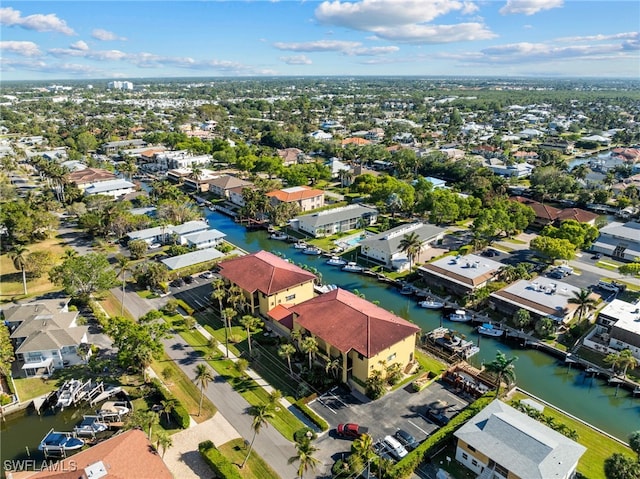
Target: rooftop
626, 315
468, 270
295, 193
337, 214
389, 240
524, 446
109, 185
195, 257
204, 236
190, 227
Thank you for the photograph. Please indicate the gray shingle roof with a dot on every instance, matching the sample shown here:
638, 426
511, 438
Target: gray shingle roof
524, 446
389, 241
195, 257
338, 214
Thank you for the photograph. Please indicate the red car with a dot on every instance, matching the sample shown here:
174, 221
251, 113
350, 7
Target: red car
351, 430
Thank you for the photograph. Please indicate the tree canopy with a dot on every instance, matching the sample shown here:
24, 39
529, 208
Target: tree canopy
82, 276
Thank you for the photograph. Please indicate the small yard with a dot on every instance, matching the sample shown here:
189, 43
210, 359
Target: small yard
255, 468
30, 388
113, 306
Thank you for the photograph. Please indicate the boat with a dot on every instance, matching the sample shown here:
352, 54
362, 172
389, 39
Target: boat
460, 315
488, 329
431, 304
113, 410
336, 261
279, 235
67, 393
59, 442
300, 245
352, 267
312, 250
90, 426
452, 342
407, 289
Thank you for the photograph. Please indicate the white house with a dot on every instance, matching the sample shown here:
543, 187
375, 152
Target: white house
189, 259
157, 234
190, 227
618, 328
329, 222
460, 274
115, 188
385, 247
619, 240
204, 239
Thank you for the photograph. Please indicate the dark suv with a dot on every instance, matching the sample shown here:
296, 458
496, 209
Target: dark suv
437, 417
406, 439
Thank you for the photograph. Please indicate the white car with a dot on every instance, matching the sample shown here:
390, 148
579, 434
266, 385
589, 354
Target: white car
397, 449
154, 245
207, 275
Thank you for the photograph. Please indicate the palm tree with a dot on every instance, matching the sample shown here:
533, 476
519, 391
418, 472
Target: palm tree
164, 441
203, 378
584, 300
150, 419
304, 455
309, 346
623, 359
18, 255
502, 368
363, 448
286, 351
124, 265
333, 365
411, 244
261, 415
251, 323
168, 405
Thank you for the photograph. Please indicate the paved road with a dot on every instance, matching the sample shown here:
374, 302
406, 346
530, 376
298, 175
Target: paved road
270, 444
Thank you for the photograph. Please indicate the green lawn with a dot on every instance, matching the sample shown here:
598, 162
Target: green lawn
599, 447
255, 468
608, 265
430, 364
30, 388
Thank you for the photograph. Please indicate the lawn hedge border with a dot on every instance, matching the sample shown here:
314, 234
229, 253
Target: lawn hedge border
316, 419
179, 412
221, 466
407, 465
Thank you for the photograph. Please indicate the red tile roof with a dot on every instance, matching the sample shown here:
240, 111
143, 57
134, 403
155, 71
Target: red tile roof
90, 175
348, 322
356, 141
541, 210
125, 456
297, 193
283, 315
577, 214
264, 272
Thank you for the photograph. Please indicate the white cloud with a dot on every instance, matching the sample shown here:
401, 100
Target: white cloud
38, 22
601, 38
79, 45
369, 14
105, 35
296, 60
436, 33
529, 7
25, 49
344, 47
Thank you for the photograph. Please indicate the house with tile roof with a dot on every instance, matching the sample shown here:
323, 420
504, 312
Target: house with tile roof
501, 441
221, 185
305, 197
88, 176
460, 274
129, 455
545, 214
45, 336
385, 247
336, 220
363, 336
543, 297
291, 156
267, 281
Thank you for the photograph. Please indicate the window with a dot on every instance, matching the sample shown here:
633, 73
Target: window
391, 357
471, 448
465, 456
474, 462
291, 297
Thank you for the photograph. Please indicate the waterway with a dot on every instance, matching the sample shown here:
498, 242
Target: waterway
590, 399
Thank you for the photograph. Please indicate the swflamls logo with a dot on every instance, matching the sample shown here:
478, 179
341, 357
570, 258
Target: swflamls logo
16, 465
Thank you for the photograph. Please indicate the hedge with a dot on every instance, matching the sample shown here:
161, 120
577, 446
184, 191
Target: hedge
221, 466
307, 411
407, 465
179, 414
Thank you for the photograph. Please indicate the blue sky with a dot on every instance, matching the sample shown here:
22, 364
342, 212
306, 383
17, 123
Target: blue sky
136, 39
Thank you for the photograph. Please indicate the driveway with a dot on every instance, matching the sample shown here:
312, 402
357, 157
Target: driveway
400, 409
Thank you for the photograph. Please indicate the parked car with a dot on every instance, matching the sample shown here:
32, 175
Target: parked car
397, 450
154, 245
188, 279
381, 449
351, 430
406, 439
177, 283
207, 275
597, 256
437, 417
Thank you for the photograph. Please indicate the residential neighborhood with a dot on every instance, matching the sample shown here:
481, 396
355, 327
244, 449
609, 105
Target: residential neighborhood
416, 282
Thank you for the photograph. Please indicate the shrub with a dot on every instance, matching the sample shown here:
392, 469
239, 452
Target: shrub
179, 414
304, 434
221, 466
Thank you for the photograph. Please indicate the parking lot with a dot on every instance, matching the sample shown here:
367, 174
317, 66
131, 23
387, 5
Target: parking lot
400, 409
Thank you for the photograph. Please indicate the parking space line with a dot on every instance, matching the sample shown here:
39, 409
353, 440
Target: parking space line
418, 428
325, 405
426, 419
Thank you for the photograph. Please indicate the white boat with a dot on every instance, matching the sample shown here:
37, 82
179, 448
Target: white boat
67, 393
312, 250
336, 261
90, 426
431, 304
300, 245
59, 442
487, 329
352, 267
113, 410
407, 289
279, 235
460, 315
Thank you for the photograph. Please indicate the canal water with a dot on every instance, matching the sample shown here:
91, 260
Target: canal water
590, 399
